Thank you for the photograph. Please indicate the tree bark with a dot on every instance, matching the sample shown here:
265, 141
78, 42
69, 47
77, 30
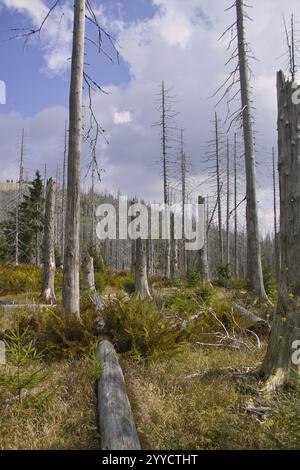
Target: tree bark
278, 365
48, 292
88, 273
117, 427
203, 256
254, 266
141, 278
174, 248
71, 296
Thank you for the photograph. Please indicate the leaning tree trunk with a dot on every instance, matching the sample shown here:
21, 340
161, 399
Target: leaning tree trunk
141, 279
48, 292
254, 266
72, 220
202, 254
278, 363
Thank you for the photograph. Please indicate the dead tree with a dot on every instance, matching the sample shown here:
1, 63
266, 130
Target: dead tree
63, 192
174, 248
19, 196
276, 237
89, 275
71, 295
218, 175
48, 292
227, 257
254, 265
236, 259
141, 276
203, 255
278, 363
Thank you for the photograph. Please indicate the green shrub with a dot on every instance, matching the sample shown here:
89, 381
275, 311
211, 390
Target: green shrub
100, 281
137, 328
20, 279
223, 276
60, 337
193, 278
98, 260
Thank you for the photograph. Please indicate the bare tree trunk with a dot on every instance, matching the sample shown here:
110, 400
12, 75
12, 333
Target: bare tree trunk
219, 189
165, 175
89, 275
278, 362
236, 259
48, 292
254, 266
71, 294
228, 208
202, 256
276, 238
174, 248
63, 195
19, 195
141, 278
183, 196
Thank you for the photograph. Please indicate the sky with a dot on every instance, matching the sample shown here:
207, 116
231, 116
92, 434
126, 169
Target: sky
171, 40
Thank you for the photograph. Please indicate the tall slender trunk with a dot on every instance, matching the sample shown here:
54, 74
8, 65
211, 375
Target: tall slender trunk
228, 206
141, 278
183, 195
202, 255
48, 292
236, 258
63, 195
218, 189
165, 175
71, 294
19, 196
254, 266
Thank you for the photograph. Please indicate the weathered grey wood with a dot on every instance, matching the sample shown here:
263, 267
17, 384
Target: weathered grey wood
251, 317
48, 293
117, 426
278, 363
141, 275
88, 273
254, 266
203, 255
70, 296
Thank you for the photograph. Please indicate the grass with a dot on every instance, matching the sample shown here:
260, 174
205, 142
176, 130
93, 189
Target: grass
65, 420
173, 412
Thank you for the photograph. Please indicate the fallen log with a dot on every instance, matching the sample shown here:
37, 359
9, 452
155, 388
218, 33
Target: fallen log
117, 426
252, 319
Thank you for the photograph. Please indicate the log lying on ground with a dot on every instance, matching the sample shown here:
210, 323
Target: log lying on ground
117, 427
253, 320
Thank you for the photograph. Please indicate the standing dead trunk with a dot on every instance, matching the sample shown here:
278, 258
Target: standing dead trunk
19, 195
70, 297
236, 259
227, 260
88, 273
141, 278
202, 255
276, 238
278, 362
48, 292
174, 248
165, 174
219, 189
254, 266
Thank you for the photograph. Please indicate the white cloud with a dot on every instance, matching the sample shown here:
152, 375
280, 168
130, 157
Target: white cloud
122, 117
180, 45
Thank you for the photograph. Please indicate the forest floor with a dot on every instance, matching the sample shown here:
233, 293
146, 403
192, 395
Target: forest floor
184, 395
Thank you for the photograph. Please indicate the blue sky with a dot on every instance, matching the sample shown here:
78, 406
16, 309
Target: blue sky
29, 88
174, 40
